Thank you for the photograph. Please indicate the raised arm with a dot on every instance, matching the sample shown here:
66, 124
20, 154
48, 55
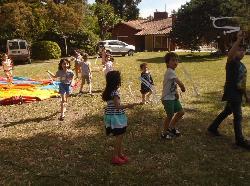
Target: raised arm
181, 85
235, 47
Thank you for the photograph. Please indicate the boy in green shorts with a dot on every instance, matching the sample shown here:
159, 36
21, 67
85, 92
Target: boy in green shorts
170, 97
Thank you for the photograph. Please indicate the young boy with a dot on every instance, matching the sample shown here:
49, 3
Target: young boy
170, 97
234, 90
86, 73
146, 83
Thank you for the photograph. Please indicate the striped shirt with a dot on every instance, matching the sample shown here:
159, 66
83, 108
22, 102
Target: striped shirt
110, 109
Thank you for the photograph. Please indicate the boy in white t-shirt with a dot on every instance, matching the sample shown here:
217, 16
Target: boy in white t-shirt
170, 97
86, 73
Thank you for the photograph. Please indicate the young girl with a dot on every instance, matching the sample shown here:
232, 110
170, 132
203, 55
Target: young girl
66, 76
115, 119
7, 67
77, 58
86, 73
146, 82
108, 66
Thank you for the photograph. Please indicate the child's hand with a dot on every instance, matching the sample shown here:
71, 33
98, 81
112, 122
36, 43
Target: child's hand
183, 89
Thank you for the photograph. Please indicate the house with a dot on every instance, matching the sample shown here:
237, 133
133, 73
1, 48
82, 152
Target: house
150, 35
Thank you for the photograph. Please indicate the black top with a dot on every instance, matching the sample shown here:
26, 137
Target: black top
235, 81
146, 82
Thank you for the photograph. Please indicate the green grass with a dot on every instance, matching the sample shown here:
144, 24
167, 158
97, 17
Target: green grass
37, 149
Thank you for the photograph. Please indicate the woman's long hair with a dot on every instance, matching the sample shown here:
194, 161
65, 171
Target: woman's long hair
113, 82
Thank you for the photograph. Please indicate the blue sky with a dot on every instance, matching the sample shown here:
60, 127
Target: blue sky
148, 7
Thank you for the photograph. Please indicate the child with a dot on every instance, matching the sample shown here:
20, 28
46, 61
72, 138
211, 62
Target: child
234, 90
86, 73
146, 82
103, 54
7, 67
108, 66
170, 97
66, 76
77, 58
115, 118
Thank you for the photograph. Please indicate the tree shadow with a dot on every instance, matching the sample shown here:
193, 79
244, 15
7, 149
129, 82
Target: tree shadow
30, 120
186, 58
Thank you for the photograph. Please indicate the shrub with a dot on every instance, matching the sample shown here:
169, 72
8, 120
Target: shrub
45, 50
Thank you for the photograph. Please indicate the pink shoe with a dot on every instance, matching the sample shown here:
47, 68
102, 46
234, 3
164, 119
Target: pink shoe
124, 158
117, 161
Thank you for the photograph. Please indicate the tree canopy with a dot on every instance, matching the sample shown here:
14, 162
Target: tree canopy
193, 25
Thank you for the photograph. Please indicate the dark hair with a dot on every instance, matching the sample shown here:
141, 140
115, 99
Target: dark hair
143, 65
85, 55
113, 82
242, 46
169, 56
61, 62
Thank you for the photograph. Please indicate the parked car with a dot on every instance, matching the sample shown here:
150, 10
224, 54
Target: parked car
18, 50
117, 47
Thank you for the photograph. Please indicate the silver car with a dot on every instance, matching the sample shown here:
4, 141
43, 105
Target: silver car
117, 47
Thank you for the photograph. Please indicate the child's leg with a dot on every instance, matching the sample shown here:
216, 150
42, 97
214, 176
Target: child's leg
148, 95
63, 100
118, 145
82, 83
143, 98
175, 119
90, 88
166, 123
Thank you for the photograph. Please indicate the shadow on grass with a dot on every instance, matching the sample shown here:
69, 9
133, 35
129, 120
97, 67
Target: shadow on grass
84, 159
187, 58
25, 121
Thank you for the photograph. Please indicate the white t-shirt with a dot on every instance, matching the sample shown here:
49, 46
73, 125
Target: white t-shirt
7, 64
169, 85
108, 67
85, 66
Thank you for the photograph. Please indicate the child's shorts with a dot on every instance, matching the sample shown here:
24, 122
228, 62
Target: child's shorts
64, 88
171, 106
115, 124
87, 78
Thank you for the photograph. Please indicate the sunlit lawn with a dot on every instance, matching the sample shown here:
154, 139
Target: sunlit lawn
37, 149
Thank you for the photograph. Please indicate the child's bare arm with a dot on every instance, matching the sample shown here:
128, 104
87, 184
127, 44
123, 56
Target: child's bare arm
233, 50
51, 74
181, 85
118, 104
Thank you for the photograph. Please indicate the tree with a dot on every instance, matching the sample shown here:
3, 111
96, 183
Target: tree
126, 9
193, 26
106, 18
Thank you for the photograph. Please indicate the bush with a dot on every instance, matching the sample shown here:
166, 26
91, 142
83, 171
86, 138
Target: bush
45, 50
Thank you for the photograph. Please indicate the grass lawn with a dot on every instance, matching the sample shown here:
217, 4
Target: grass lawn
37, 149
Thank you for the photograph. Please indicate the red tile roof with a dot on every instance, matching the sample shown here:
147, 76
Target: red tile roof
151, 27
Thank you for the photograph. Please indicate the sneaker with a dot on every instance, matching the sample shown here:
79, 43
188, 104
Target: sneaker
175, 131
166, 135
117, 161
123, 157
244, 144
61, 118
214, 133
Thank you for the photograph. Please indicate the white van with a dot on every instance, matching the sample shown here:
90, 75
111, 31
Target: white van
18, 50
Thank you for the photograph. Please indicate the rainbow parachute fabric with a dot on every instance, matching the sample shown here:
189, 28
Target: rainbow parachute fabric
26, 90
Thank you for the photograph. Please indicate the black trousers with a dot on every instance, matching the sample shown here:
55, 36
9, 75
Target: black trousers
235, 109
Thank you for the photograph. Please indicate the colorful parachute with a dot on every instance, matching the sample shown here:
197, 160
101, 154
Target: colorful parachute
26, 90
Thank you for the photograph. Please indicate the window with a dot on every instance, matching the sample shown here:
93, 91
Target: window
22, 45
158, 42
113, 43
13, 45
